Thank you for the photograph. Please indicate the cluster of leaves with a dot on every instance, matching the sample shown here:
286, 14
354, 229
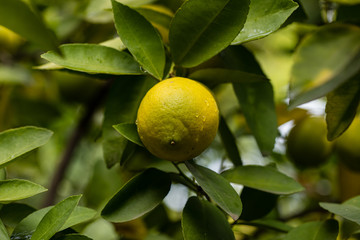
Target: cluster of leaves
208, 41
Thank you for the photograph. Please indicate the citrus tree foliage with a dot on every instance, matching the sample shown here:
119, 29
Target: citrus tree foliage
72, 76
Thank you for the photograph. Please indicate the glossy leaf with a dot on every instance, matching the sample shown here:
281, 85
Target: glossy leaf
127, 93
140, 37
218, 189
138, 196
327, 230
341, 107
17, 141
264, 18
318, 71
201, 29
222, 75
254, 206
229, 142
16, 189
3, 232
263, 178
257, 103
26, 23
28, 225
203, 220
55, 218
350, 209
128, 130
93, 58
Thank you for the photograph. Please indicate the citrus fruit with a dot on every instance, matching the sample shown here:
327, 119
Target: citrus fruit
307, 144
177, 119
347, 146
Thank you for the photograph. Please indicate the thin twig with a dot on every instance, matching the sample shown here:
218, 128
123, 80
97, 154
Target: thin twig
73, 142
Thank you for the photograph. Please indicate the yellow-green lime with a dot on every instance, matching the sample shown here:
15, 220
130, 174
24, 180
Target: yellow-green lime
177, 119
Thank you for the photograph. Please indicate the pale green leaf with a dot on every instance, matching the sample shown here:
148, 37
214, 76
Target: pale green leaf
17, 141
327, 230
264, 18
16, 189
93, 58
350, 209
264, 178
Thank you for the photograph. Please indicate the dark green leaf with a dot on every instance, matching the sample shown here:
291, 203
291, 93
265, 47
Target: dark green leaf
203, 220
341, 107
229, 142
74, 237
13, 213
201, 29
128, 130
264, 18
141, 38
221, 75
93, 58
16, 189
318, 71
327, 230
218, 189
138, 196
257, 103
3, 232
256, 203
121, 107
350, 209
264, 178
55, 218
18, 17
15, 142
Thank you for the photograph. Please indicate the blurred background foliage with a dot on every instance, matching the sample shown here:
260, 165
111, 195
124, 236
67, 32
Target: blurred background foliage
59, 100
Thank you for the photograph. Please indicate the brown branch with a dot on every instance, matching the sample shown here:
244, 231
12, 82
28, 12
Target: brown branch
73, 142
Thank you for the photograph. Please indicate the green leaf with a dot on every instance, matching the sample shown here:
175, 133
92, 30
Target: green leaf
350, 209
141, 38
17, 16
129, 131
55, 218
93, 58
203, 220
350, 2
218, 189
12, 213
2, 174
127, 93
270, 224
222, 75
138, 196
16, 189
17, 141
264, 18
229, 142
201, 29
256, 203
3, 232
318, 71
327, 230
257, 104
341, 107
28, 225
264, 178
